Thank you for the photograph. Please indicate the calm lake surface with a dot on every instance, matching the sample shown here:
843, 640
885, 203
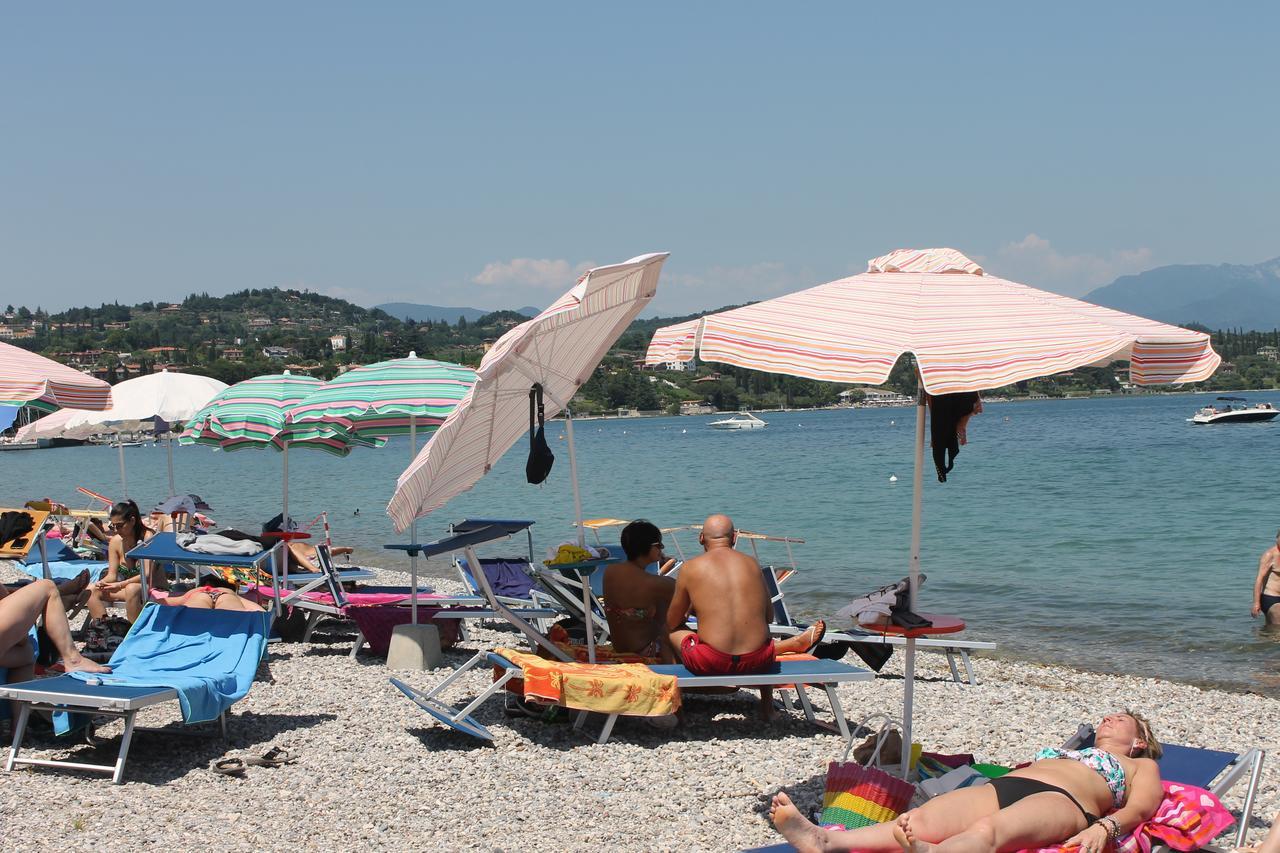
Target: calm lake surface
1107, 533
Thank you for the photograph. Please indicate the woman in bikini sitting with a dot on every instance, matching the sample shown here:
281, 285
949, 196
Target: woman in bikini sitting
1082, 798
636, 601
122, 580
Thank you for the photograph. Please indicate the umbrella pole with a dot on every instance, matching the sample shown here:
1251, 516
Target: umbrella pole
169, 442
917, 490
124, 485
573, 473
284, 516
413, 527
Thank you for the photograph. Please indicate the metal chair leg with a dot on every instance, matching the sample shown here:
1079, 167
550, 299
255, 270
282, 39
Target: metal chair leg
19, 728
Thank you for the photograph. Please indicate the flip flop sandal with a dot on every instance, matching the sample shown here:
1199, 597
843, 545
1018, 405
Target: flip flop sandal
229, 766
273, 757
817, 638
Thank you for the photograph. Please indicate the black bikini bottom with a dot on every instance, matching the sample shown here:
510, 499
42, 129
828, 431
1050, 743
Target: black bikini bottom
1010, 789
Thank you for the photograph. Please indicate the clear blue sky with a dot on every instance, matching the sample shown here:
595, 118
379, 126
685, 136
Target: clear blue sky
479, 154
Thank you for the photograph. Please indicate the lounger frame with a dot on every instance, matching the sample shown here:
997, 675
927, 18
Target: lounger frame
97, 700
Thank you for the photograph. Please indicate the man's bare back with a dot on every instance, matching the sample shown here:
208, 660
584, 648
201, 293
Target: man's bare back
725, 589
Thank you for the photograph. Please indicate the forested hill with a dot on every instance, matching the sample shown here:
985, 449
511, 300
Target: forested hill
254, 332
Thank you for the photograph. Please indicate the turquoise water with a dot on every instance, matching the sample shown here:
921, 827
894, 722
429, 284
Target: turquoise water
1105, 533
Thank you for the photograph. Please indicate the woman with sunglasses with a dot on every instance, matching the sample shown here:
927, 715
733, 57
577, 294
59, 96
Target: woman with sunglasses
123, 580
635, 601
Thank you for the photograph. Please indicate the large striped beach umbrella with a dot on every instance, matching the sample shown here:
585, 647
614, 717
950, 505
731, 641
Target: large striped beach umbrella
967, 331
403, 396
557, 351
30, 379
252, 413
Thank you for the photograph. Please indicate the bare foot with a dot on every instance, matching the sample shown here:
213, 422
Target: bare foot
906, 841
74, 586
816, 632
79, 664
802, 834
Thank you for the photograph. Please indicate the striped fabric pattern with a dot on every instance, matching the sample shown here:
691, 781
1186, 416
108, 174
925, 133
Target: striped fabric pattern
969, 332
923, 260
27, 378
252, 414
560, 348
380, 399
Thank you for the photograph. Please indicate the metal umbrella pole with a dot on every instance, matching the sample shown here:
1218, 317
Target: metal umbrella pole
124, 484
913, 573
413, 528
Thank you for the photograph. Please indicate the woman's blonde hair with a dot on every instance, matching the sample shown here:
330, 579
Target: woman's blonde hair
1153, 749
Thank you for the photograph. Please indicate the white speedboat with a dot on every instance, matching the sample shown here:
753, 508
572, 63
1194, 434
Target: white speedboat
14, 444
742, 420
1243, 413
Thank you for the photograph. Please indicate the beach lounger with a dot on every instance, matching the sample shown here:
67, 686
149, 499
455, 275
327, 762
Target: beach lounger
205, 659
799, 674
952, 647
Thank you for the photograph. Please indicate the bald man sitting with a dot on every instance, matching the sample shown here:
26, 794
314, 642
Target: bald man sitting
726, 589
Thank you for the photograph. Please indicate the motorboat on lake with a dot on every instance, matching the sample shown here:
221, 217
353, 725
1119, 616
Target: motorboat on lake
742, 420
1229, 413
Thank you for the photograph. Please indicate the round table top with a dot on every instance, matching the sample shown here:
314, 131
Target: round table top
941, 625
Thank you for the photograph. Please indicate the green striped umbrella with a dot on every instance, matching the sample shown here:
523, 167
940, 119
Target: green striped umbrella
398, 397
252, 413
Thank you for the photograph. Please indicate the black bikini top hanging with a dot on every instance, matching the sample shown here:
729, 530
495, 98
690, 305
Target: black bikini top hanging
540, 456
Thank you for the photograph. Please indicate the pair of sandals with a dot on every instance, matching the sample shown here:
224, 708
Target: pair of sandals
276, 756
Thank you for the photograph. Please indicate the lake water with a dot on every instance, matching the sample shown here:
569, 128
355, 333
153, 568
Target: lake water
1107, 533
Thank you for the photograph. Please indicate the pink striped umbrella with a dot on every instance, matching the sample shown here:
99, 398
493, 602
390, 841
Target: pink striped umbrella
27, 378
967, 330
559, 349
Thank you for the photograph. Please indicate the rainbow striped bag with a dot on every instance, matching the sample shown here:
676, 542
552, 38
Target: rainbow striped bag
860, 795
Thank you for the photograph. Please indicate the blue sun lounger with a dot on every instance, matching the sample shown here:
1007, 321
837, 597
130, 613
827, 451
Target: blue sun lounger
205, 659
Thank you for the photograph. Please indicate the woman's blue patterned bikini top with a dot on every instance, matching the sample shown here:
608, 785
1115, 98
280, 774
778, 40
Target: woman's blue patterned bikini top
1106, 764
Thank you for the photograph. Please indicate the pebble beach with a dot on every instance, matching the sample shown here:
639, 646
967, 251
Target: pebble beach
374, 772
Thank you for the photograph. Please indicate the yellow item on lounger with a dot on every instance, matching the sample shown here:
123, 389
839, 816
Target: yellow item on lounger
617, 688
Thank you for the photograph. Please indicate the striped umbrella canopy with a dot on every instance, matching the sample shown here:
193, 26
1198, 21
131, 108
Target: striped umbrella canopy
559, 350
30, 379
388, 398
967, 330
253, 413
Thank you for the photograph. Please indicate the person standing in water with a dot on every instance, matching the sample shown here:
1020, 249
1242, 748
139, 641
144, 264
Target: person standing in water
1266, 588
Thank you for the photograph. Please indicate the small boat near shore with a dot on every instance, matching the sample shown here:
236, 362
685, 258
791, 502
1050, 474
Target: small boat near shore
1246, 413
14, 444
742, 420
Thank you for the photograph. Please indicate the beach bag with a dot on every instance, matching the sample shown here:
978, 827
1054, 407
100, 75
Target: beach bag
103, 636
538, 468
858, 792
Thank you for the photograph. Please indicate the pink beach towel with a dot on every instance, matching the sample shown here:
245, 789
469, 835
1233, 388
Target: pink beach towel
1188, 818
377, 623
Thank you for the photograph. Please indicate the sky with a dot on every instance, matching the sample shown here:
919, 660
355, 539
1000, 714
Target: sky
483, 155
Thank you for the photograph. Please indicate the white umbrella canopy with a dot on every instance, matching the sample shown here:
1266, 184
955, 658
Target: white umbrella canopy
967, 330
559, 349
171, 397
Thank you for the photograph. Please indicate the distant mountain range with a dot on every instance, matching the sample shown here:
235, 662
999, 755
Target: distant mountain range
1226, 296
436, 313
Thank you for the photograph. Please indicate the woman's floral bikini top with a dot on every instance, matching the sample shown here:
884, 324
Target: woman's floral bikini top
1106, 765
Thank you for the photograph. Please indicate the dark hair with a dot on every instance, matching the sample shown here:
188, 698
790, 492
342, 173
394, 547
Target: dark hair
638, 537
128, 510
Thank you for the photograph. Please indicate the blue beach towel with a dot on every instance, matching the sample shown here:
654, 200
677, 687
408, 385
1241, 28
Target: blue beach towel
209, 656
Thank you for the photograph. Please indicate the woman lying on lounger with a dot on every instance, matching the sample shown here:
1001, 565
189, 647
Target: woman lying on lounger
1074, 797
215, 594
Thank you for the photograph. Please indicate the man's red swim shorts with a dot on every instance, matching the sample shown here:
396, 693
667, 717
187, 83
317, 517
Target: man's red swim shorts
702, 659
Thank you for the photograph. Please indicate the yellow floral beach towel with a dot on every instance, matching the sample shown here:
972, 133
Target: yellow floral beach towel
617, 688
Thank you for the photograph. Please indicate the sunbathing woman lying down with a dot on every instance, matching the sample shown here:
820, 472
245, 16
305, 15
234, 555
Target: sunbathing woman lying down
212, 596
1075, 797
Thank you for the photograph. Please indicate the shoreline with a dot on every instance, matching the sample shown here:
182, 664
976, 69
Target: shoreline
379, 769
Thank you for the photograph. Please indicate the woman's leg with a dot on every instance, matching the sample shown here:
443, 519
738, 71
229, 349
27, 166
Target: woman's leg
19, 611
97, 607
940, 818
133, 601
1040, 820
19, 660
